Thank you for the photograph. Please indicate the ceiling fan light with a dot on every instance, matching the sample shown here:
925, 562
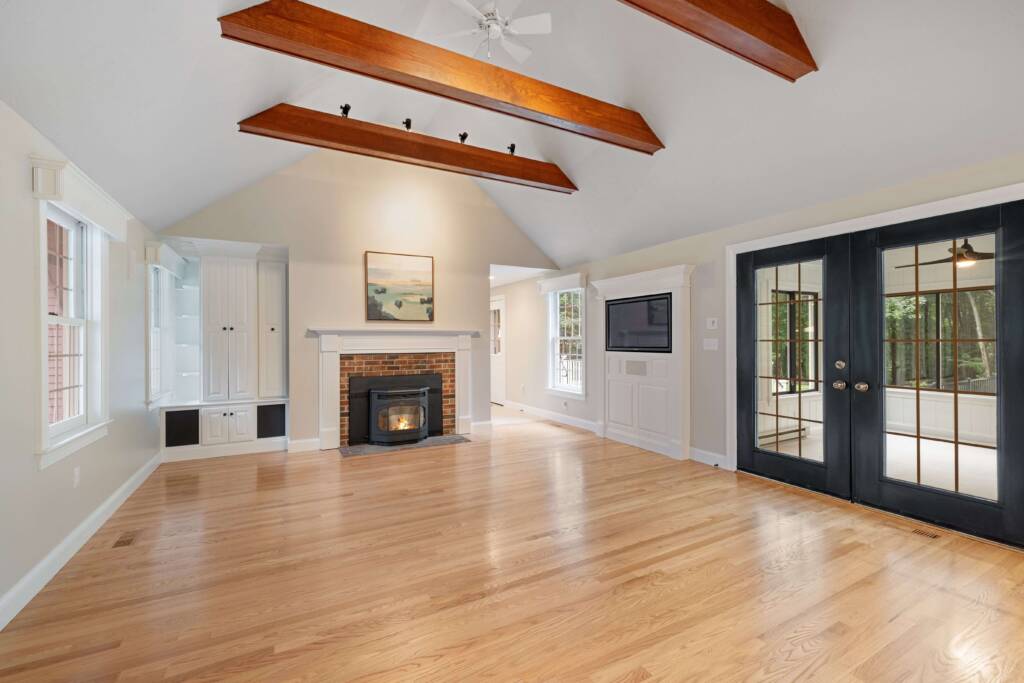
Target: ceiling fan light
966, 262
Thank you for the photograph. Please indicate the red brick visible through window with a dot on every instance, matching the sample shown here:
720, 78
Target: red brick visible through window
393, 364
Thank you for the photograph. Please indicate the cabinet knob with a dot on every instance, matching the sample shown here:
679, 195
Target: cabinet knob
224, 328
232, 414
232, 329
273, 329
225, 415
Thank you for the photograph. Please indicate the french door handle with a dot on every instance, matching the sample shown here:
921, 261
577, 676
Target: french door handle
862, 387
839, 385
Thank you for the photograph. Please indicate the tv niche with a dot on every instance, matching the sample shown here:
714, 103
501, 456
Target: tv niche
639, 324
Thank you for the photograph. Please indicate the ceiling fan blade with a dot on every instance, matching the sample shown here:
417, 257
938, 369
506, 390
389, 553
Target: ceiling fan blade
984, 255
935, 262
468, 8
518, 51
488, 7
533, 25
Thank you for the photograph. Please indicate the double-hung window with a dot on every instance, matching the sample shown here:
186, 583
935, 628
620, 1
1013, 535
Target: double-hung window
74, 405
67, 322
566, 344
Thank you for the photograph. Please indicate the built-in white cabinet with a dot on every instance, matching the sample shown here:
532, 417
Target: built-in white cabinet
230, 345
242, 423
213, 426
273, 317
227, 424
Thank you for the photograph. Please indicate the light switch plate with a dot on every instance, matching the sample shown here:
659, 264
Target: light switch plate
712, 323
710, 343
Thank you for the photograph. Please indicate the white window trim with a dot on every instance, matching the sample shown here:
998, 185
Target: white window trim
54, 443
552, 337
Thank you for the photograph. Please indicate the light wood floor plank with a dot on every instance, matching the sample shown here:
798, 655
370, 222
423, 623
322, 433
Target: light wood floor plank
537, 552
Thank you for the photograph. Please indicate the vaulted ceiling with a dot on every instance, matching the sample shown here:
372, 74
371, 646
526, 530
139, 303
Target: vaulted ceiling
145, 96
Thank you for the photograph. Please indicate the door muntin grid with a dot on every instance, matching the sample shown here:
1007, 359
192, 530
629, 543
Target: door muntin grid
940, 367
789, 370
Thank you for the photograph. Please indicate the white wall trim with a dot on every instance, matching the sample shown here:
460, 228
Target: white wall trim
647, 282
335, 342
708, 458
221, 450
570, 281
966, 202
303, 445
588, 425
15, 599
77, 441
62, 182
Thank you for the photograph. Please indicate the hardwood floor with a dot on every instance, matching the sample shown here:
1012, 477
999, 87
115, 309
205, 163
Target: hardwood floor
541, 553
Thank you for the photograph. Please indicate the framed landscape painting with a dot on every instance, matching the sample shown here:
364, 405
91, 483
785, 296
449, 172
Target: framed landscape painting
399, 287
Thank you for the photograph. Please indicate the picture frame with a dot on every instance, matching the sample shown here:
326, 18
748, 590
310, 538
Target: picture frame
398, 287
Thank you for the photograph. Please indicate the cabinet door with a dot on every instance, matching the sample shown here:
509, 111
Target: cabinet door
213, 426
242, 423
215, 328
242, 329
272, 338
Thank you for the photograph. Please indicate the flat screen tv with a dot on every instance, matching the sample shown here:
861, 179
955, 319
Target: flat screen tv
641, 324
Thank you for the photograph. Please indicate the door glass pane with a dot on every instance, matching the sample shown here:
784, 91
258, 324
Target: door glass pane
789, 352
939, 365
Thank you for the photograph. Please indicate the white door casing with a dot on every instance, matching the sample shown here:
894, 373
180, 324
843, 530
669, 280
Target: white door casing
497, 344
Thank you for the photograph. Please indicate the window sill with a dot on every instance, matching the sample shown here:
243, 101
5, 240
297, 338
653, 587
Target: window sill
71, 444
563, 393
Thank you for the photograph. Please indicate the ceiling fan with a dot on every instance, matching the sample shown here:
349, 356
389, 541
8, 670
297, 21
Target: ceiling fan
966, 257
496, 27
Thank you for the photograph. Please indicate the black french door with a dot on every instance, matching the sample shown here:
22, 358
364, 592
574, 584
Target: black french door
885, 367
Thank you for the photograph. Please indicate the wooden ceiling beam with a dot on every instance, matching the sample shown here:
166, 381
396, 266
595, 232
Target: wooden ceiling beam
755, 30
297, 124
302, 30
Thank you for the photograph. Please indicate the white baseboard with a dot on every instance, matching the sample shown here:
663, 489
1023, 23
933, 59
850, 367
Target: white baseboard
482, 424
14, 600
589, 425
670, 449
303, 445
708, 458
180, 453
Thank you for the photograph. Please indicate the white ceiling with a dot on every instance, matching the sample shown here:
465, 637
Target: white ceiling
144, 95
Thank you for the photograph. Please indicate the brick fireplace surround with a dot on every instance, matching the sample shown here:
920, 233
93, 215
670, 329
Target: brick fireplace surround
391, 365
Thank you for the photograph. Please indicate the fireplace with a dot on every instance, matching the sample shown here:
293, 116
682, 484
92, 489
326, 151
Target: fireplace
365, 393
398, 415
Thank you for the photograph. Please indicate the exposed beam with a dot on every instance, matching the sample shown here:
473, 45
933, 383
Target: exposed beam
754, 30
302, 30
296, 124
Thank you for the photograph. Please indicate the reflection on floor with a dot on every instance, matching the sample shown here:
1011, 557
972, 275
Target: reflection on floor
536, 552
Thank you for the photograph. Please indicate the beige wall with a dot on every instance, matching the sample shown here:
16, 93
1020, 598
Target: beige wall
330, 208
526, 312
38, 508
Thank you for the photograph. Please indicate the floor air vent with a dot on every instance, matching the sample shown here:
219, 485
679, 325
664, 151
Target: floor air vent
127, 538
925, 533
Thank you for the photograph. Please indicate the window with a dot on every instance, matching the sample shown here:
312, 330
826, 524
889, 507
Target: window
66, 298
795, 325
566, 340
73, 400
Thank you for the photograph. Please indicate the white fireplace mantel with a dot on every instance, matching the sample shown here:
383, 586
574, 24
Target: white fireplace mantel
335, 342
